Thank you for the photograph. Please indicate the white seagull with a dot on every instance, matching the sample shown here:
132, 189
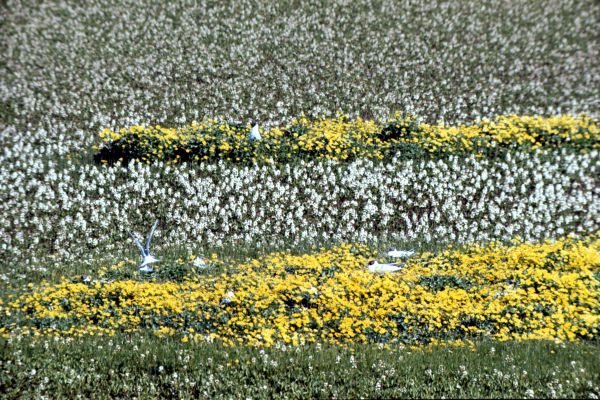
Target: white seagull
374, 266
145, 252
400, 253
254, 133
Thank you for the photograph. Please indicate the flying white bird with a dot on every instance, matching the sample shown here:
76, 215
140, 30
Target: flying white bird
254, 133
400, 253
374, 266
147, 258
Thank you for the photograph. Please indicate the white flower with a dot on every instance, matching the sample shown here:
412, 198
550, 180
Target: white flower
199, 262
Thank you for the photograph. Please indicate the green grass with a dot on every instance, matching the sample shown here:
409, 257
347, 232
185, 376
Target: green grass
148, 367
52, 269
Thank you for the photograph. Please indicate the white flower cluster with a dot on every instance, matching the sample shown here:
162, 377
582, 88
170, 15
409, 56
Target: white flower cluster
67, 208
118, 63
69, 71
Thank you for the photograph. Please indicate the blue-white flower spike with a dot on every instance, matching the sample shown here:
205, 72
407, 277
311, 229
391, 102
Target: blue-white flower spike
400, 253
374, 266
227, 299
199, 262
147, 258
255, 133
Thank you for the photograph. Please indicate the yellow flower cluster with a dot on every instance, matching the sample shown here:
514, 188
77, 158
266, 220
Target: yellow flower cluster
337, 138
506, 292
531, 132
342, 138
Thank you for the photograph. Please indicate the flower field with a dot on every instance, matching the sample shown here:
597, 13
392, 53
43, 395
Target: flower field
468, 132
82, 212
518, 292
343, 139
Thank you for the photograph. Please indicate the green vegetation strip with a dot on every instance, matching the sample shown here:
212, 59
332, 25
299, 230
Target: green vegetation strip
342, 138
521, 291
148, 367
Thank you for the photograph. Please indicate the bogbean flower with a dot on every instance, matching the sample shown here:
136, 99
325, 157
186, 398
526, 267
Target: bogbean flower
71, 211
351, 65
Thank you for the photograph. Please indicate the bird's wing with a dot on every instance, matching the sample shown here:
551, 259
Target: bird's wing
150, 235
393, 266
137, 242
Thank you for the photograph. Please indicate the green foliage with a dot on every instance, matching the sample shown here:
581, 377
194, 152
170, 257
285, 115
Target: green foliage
146, 367
437, 283
345, 139
404, 128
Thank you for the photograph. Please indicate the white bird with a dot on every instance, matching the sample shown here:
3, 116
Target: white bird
254, 133
400, 253
147, 258
374, 266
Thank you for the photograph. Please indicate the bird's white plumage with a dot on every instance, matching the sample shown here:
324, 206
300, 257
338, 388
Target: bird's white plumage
146, 268
147, 258
374, 266
255, 133
227, 299
400, 253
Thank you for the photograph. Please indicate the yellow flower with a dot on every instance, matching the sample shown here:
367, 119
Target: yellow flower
521, 291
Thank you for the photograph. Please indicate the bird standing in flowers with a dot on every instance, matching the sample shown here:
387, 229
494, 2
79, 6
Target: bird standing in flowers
254, 132
374, 266
147, 258
392, 252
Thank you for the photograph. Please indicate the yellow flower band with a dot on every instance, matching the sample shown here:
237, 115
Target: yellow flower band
506, 292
